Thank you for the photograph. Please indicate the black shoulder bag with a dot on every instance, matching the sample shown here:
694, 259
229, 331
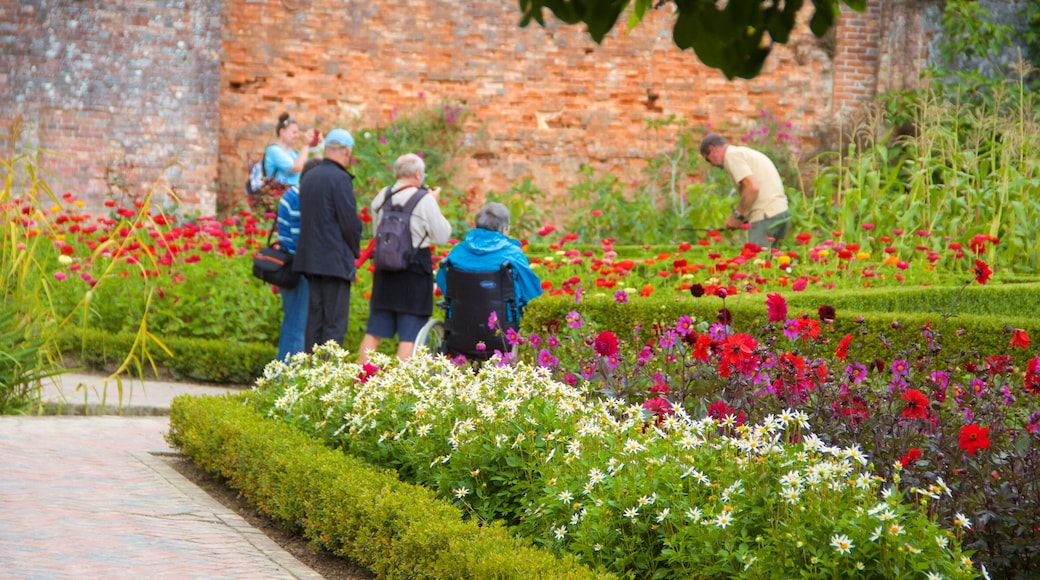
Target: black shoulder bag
274, 265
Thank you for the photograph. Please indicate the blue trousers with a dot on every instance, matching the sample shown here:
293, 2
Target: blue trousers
294, 319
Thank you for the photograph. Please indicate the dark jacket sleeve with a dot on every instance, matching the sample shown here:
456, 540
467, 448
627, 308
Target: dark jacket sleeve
346, 214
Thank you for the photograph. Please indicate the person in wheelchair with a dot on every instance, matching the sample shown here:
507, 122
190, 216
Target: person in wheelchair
492, 274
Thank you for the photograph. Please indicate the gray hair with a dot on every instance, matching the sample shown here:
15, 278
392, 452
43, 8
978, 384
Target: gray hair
493, 216
408, 164
712, 141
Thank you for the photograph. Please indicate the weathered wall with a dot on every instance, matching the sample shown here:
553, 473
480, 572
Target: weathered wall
125, 85
549, 100
184, 91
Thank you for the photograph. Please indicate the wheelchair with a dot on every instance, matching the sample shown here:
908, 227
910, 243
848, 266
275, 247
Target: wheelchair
469, 300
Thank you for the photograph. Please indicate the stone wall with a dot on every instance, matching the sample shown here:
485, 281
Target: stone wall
114, 95
181, 93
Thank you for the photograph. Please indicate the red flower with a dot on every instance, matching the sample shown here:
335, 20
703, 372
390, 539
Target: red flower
606, 344
843, 347
368, 371
701, 350
1020, 339
826, 313
1032, 382
738, 348
776, 307
916, 404
800, 284
659, 406
973, 438
912, 455
982, 272
719, 410
852, 406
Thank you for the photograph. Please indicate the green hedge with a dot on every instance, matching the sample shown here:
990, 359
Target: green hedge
986, 333
199, 359
1017, 300
343, 505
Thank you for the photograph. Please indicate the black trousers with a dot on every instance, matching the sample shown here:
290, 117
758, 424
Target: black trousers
328, 310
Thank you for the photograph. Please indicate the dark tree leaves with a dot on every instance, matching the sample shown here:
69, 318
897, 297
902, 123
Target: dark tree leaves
734, 36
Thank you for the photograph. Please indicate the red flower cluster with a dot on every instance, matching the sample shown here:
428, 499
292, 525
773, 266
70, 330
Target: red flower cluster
972, 438
606, 344
852, 406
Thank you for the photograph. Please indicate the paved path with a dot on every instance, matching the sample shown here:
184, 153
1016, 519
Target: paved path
92, 497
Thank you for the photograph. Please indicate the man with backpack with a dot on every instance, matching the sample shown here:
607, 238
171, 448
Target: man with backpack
407, 220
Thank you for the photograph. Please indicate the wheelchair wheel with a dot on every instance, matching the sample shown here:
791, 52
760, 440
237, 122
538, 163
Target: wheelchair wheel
431, 336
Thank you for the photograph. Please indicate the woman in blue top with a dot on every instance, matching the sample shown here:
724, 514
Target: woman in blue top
281, 160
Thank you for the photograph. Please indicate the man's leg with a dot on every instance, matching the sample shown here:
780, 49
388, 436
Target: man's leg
338, 307
315, 328
758, 234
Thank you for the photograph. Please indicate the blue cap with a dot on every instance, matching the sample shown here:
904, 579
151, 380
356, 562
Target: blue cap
340, 137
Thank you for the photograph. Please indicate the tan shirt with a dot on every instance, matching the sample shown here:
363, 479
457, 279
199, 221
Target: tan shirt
741, 162
427, 219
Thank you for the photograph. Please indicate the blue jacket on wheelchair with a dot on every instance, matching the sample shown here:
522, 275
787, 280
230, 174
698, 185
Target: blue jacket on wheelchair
485, 251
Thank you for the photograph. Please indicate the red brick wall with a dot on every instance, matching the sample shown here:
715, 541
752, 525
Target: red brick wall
183, 92
128, 85
856, 59
548, 100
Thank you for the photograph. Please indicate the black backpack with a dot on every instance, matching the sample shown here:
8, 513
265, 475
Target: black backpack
393, 249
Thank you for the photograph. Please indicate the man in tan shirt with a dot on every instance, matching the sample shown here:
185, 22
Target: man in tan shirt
763, 203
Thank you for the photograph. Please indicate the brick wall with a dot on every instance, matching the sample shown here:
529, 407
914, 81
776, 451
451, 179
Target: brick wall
182, 92
548, 100
129, 86
856, 58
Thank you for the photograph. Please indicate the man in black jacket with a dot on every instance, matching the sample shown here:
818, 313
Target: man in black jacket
330, 241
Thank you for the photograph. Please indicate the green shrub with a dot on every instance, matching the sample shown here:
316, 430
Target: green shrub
341, 504
207, 360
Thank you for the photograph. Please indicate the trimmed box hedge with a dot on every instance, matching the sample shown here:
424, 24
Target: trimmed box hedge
341, 504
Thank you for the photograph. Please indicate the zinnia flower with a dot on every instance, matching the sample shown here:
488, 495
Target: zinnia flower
776, 307
982, 272
916, 404
606, 344
697, 290
972, 438
826, 313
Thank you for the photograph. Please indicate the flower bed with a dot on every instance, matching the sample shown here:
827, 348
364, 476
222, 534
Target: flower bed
624, 488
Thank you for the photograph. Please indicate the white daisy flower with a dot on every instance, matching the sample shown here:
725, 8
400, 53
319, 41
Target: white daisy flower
842, 543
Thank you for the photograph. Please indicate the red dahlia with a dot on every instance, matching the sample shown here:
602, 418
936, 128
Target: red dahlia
916, 404
973, 438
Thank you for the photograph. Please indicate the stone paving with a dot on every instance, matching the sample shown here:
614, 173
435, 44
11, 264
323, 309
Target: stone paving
92, 497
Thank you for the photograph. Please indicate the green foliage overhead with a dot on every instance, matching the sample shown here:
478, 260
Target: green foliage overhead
735, 37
